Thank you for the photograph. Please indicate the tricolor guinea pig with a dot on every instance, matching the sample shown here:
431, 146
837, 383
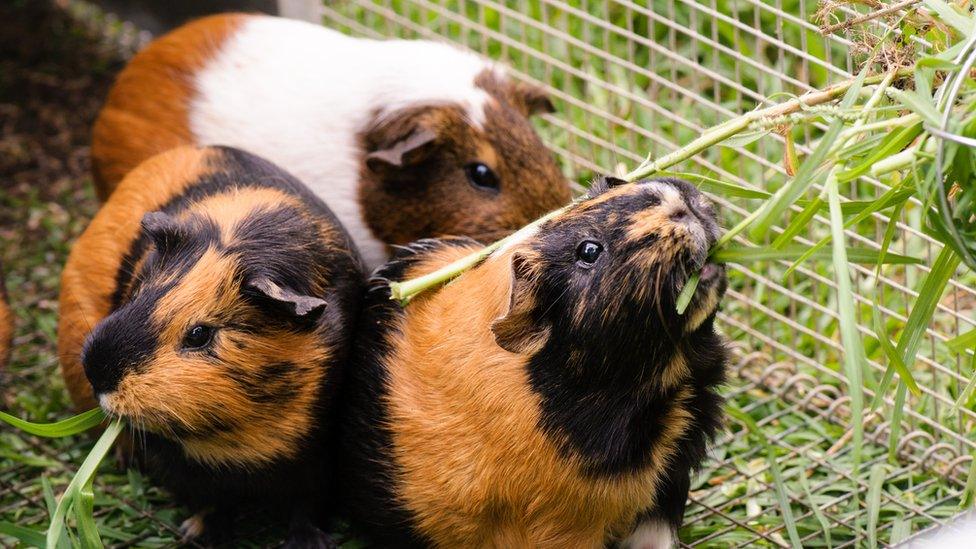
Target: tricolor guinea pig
402, 139
6, 324
549, 397
210, 304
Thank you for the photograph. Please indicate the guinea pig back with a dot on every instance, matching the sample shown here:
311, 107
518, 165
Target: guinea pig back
549, 397
403, 139
6, 324
210, 303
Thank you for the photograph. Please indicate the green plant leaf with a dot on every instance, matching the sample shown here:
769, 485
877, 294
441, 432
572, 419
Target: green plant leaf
27, 536
873, 502
894, 357
773, 209
892, 144
799, 223
687, 292
743, 254
893, 196
64, 428
961, 344
937, 63
919, 105
817, 511
780, 486
854, 360
82, 478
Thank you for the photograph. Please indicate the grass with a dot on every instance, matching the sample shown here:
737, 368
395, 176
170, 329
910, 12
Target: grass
620, 98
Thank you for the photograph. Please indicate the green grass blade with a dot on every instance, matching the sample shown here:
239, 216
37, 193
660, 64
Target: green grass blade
774, 209
970, 491
64, 428
743, 254
961, 344
892, 144
928, 299
800, 222
969, 386
778, 483
28, 536
892, 197
687, 292
817, 512
81, 478
894, 357
84, 512
894, 429
919, 105
854, 359
885, 245
717, 186
875, 484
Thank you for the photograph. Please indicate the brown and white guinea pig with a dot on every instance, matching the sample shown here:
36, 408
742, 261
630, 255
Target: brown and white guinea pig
549, 397
402, 139
210, 304
6, 324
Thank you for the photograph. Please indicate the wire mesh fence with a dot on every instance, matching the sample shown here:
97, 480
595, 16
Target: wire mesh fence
632, 78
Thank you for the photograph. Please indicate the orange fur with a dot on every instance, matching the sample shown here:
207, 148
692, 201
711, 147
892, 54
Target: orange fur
147, 109
474, 482
89, 277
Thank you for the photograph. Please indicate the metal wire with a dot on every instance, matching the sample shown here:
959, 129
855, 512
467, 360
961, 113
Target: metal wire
632, 78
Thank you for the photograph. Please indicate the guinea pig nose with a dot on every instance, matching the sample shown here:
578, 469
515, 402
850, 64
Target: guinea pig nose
101, 370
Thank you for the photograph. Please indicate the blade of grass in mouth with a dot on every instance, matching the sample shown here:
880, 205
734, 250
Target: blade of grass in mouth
64, 428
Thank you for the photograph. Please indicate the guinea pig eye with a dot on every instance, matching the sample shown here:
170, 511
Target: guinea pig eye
198, 336
482, 176
588, 251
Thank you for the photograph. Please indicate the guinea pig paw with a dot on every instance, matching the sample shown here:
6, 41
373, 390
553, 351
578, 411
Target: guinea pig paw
193, 527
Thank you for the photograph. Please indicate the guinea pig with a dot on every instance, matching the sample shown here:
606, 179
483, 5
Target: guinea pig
210, 304
6, 324
402, 139
549, 397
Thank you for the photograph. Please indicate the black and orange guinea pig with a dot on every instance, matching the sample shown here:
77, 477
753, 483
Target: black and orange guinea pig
210, 304
549, 397
403, 139
6, 324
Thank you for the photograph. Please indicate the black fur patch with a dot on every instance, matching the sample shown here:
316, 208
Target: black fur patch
367, 473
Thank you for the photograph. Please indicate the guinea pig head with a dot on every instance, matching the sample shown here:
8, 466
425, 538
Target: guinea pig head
447, 169
217, 345
599, 282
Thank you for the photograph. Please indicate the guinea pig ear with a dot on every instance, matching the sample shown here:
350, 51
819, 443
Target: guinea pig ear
516, 330
165, 231
532, 99
298, 305
407, 151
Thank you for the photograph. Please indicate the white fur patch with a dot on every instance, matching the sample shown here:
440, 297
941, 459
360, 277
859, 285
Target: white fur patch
651, 534
297, 94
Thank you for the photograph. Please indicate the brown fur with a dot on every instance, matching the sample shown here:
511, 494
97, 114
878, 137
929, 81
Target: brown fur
6, 325
505, 484
87, 284
531, 183
135, 123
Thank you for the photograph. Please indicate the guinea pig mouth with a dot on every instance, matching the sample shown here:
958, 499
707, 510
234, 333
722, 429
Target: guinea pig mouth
711, 272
